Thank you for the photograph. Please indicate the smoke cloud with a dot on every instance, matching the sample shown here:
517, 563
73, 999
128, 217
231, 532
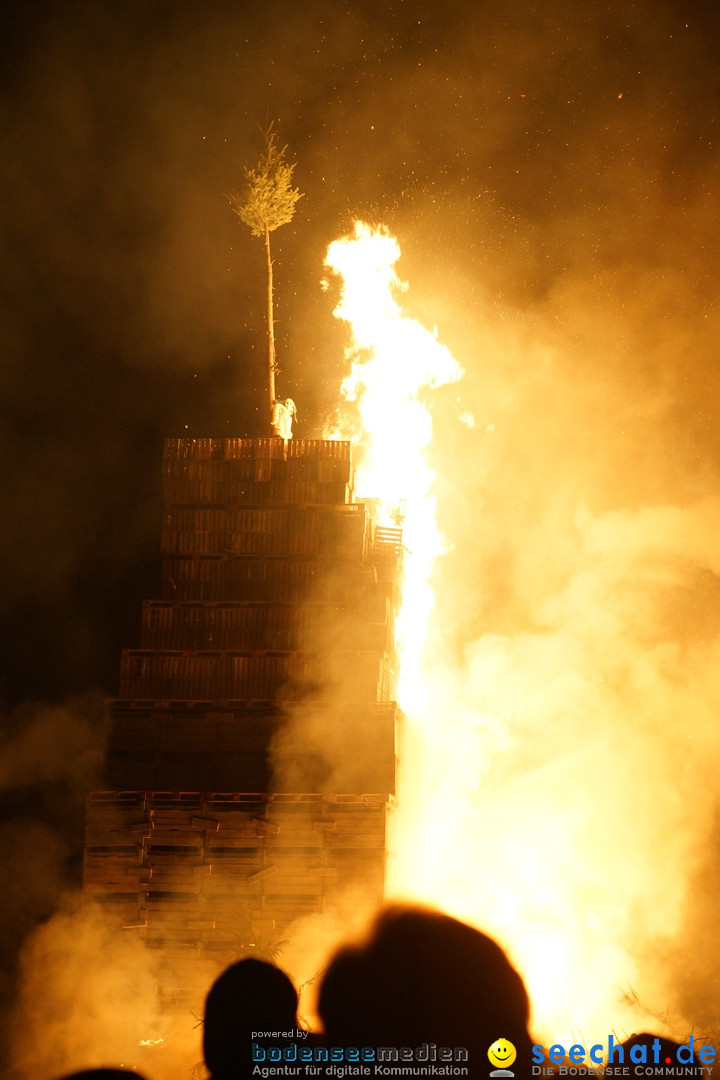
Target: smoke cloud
78, 993
50, 756
88, 997
562, 788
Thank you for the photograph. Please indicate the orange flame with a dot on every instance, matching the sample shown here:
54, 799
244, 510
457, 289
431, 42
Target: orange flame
515, 850
395, 362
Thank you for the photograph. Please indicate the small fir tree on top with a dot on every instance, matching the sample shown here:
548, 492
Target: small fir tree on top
267, 201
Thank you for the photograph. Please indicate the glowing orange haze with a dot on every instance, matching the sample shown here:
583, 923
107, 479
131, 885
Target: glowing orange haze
504, 818
555, 784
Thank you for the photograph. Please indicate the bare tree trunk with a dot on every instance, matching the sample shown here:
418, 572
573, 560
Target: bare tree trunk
271, 328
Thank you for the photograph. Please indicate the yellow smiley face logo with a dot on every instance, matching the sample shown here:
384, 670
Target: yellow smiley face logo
502, 1053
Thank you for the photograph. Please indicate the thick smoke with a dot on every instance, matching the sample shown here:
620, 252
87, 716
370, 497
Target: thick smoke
79, 994
89, 997
50, 757
577, 623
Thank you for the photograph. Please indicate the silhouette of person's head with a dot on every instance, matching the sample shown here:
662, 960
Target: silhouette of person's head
652, 1054
424, 977
104, 1074
252, 995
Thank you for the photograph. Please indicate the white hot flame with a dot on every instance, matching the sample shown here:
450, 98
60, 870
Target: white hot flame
396, 362
470, 836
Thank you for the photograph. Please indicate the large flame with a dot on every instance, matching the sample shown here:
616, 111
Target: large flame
499, 820
395, 362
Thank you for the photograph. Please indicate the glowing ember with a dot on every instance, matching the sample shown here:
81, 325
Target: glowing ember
500, 807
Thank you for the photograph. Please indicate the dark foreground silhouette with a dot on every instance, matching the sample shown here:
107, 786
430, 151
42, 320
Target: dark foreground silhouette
250, 996
423, 979
103, 1074
656, 1054
423, 986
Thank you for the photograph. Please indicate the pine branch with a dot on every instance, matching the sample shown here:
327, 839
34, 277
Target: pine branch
268, 199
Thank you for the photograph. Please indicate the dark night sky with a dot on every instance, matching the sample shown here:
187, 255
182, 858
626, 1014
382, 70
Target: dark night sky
547, 165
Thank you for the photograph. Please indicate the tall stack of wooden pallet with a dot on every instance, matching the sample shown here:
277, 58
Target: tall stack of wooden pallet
251, 754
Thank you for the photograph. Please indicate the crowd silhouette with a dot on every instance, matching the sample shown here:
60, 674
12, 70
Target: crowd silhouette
438, 996
425, 978
250, 996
